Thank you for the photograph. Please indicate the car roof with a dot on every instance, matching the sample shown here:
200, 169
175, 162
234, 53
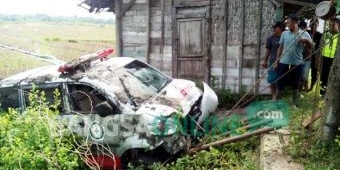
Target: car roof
50, 73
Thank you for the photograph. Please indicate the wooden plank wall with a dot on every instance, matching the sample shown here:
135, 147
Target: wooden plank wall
242, 48
239, 56
135, 33
134, 30
269, 16
161, 36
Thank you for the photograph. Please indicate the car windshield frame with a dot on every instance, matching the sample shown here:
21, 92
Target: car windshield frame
148, 75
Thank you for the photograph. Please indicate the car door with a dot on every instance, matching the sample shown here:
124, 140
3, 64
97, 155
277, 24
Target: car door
49, 91
92, 115
9, 98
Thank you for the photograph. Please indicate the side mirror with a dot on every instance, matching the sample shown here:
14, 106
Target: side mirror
104, 109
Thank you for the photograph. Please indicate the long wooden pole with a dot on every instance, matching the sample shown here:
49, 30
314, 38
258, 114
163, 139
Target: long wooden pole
118, 28
225, 44
243, 3
162, 34
257, 73
231, 139
148, 31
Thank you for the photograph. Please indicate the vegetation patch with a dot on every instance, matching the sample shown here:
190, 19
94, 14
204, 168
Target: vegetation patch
305, 146
236, 156
35, 139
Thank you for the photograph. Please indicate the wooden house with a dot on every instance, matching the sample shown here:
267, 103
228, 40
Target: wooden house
217, 41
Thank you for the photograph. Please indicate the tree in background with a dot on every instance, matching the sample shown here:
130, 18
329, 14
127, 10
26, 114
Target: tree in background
331, 115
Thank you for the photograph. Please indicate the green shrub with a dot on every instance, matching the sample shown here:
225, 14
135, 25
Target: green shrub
56, 39
236, 156
35, 139
227, 98
72, 41
305, 146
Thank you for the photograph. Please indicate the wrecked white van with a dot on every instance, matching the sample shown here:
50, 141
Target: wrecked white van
119, 102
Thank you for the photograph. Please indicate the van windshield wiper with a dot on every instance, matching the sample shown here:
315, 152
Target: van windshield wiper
127, 92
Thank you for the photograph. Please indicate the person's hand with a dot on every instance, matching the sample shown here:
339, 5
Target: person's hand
302, 40
265, 64
274, 66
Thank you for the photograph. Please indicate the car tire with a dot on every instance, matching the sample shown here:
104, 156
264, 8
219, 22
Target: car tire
138, 158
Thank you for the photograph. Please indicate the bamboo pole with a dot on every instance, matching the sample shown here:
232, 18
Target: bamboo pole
148, 31
250, 126
231, 139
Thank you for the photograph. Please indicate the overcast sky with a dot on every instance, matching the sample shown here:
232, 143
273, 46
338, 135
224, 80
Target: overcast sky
49, 7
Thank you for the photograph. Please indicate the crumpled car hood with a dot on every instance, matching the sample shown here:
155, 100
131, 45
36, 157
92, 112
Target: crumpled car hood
179, 94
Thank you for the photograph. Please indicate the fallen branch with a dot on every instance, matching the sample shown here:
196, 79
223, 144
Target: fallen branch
250, 126
231, 139
308, 122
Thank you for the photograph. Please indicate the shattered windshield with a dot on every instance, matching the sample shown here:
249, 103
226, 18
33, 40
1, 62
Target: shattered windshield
148, 75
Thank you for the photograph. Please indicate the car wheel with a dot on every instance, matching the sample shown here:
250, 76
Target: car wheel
137, 158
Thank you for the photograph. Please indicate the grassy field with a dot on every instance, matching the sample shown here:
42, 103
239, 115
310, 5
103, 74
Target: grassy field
65, 41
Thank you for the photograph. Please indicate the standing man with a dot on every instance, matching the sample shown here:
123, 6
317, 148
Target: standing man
316, 36
328, 52
272, 45
292, 44
307, 61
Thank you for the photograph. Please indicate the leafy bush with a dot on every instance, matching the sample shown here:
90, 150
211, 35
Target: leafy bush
337, 140
56, 39
236, 156
227, 98
304, 145
35, 139
46, 39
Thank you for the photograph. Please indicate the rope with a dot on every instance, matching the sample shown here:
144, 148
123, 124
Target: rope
238, 104
285, 74
46, 58
265, 73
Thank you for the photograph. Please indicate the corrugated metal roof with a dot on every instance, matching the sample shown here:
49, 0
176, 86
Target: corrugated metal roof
108, 5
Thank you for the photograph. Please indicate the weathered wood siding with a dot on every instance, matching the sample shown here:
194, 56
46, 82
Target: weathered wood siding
161, 48
235, 52
134, 26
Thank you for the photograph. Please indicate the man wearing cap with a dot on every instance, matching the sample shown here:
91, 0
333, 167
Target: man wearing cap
292, 44
272, 45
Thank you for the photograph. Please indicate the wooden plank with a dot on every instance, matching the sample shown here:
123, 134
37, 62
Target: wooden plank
225, 43
129, 5
174, 42
162, 25
148, 31
310, 120
191, 42
257, 62
162, 34
301, 10
300, 3
208, 40
191, 3
231, 139
242, 46
277, 4
118, 28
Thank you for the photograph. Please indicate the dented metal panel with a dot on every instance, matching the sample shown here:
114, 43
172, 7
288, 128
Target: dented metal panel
143, 107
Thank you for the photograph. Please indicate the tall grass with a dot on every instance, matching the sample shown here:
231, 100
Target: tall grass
85, 38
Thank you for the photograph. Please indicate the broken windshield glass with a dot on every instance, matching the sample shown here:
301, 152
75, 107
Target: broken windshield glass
148, 75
